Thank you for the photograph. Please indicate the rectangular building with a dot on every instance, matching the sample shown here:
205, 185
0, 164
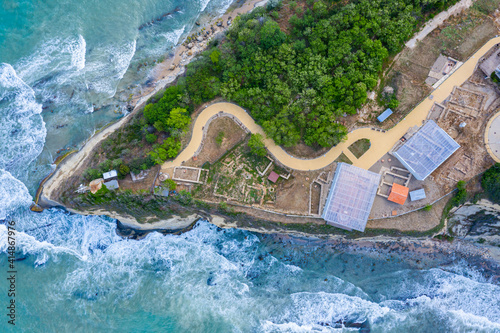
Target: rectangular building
384, 115
426, 150
351, 197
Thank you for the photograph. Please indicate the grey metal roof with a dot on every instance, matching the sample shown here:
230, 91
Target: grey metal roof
351, 197
417, 195
384, 115
426, 150
109, 174
112, 184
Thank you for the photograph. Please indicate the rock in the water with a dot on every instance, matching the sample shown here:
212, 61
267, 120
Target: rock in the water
197, 23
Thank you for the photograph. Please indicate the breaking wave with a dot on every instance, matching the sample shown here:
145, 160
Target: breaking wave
13, 194
229, 280
22, 128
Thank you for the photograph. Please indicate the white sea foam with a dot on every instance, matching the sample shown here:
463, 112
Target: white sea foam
213, 277
107, 65
13, 194
203, 4
78, 53
22, 128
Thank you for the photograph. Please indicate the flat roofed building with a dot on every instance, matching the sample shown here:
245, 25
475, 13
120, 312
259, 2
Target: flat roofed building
426, 150
351, 197
110, 175
384, 115
398, 194
273, 177
417, 195
112, 185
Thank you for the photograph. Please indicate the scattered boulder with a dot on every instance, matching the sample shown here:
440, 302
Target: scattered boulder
219, 23
172, 67
200, 39
388, 90
190, 45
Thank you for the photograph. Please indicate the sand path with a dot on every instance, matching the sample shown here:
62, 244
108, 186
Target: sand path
381, 142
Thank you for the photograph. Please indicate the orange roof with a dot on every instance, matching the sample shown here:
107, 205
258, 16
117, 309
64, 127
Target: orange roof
399, 193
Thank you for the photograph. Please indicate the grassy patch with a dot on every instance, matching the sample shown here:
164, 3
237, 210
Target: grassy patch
343, 158
359, 147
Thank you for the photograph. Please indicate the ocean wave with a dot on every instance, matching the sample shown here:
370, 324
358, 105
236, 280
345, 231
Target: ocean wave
106, 66
13, 194
22, 127
53, 58
227, 280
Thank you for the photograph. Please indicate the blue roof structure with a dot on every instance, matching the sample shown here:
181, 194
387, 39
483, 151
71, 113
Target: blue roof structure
426, 150
417, 195
384, 115
351, 197
112, 184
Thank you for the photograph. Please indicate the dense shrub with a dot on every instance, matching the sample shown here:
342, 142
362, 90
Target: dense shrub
171, 185
151, 138
123, 170
491, 183
256, 145
115, 164
461, 194
91, 174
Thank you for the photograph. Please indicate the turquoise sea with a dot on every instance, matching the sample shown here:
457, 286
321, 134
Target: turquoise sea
66, 69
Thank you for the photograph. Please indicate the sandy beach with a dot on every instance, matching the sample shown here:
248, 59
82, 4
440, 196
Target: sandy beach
165, 73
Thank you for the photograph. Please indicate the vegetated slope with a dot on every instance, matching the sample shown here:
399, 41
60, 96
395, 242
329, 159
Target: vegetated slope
297, 85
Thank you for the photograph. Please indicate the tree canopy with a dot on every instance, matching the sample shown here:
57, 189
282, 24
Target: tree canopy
256, 145
491, 183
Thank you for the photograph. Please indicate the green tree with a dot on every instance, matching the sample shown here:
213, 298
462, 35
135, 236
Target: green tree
256, 145
123, 170
184, 197
115, 164
271, 36
179, 118
490, 182
151, 138
171, 185
91, 174
105, 166
214, 56
461, 194
158, 155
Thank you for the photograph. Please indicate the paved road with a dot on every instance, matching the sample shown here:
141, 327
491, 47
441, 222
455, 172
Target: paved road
381, 143
492, 137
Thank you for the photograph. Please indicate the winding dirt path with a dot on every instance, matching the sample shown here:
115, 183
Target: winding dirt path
381, 142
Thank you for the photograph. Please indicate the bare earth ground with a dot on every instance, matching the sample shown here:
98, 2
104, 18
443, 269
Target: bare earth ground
419, 220
211, 151
458, 37
305, 151
128, 184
